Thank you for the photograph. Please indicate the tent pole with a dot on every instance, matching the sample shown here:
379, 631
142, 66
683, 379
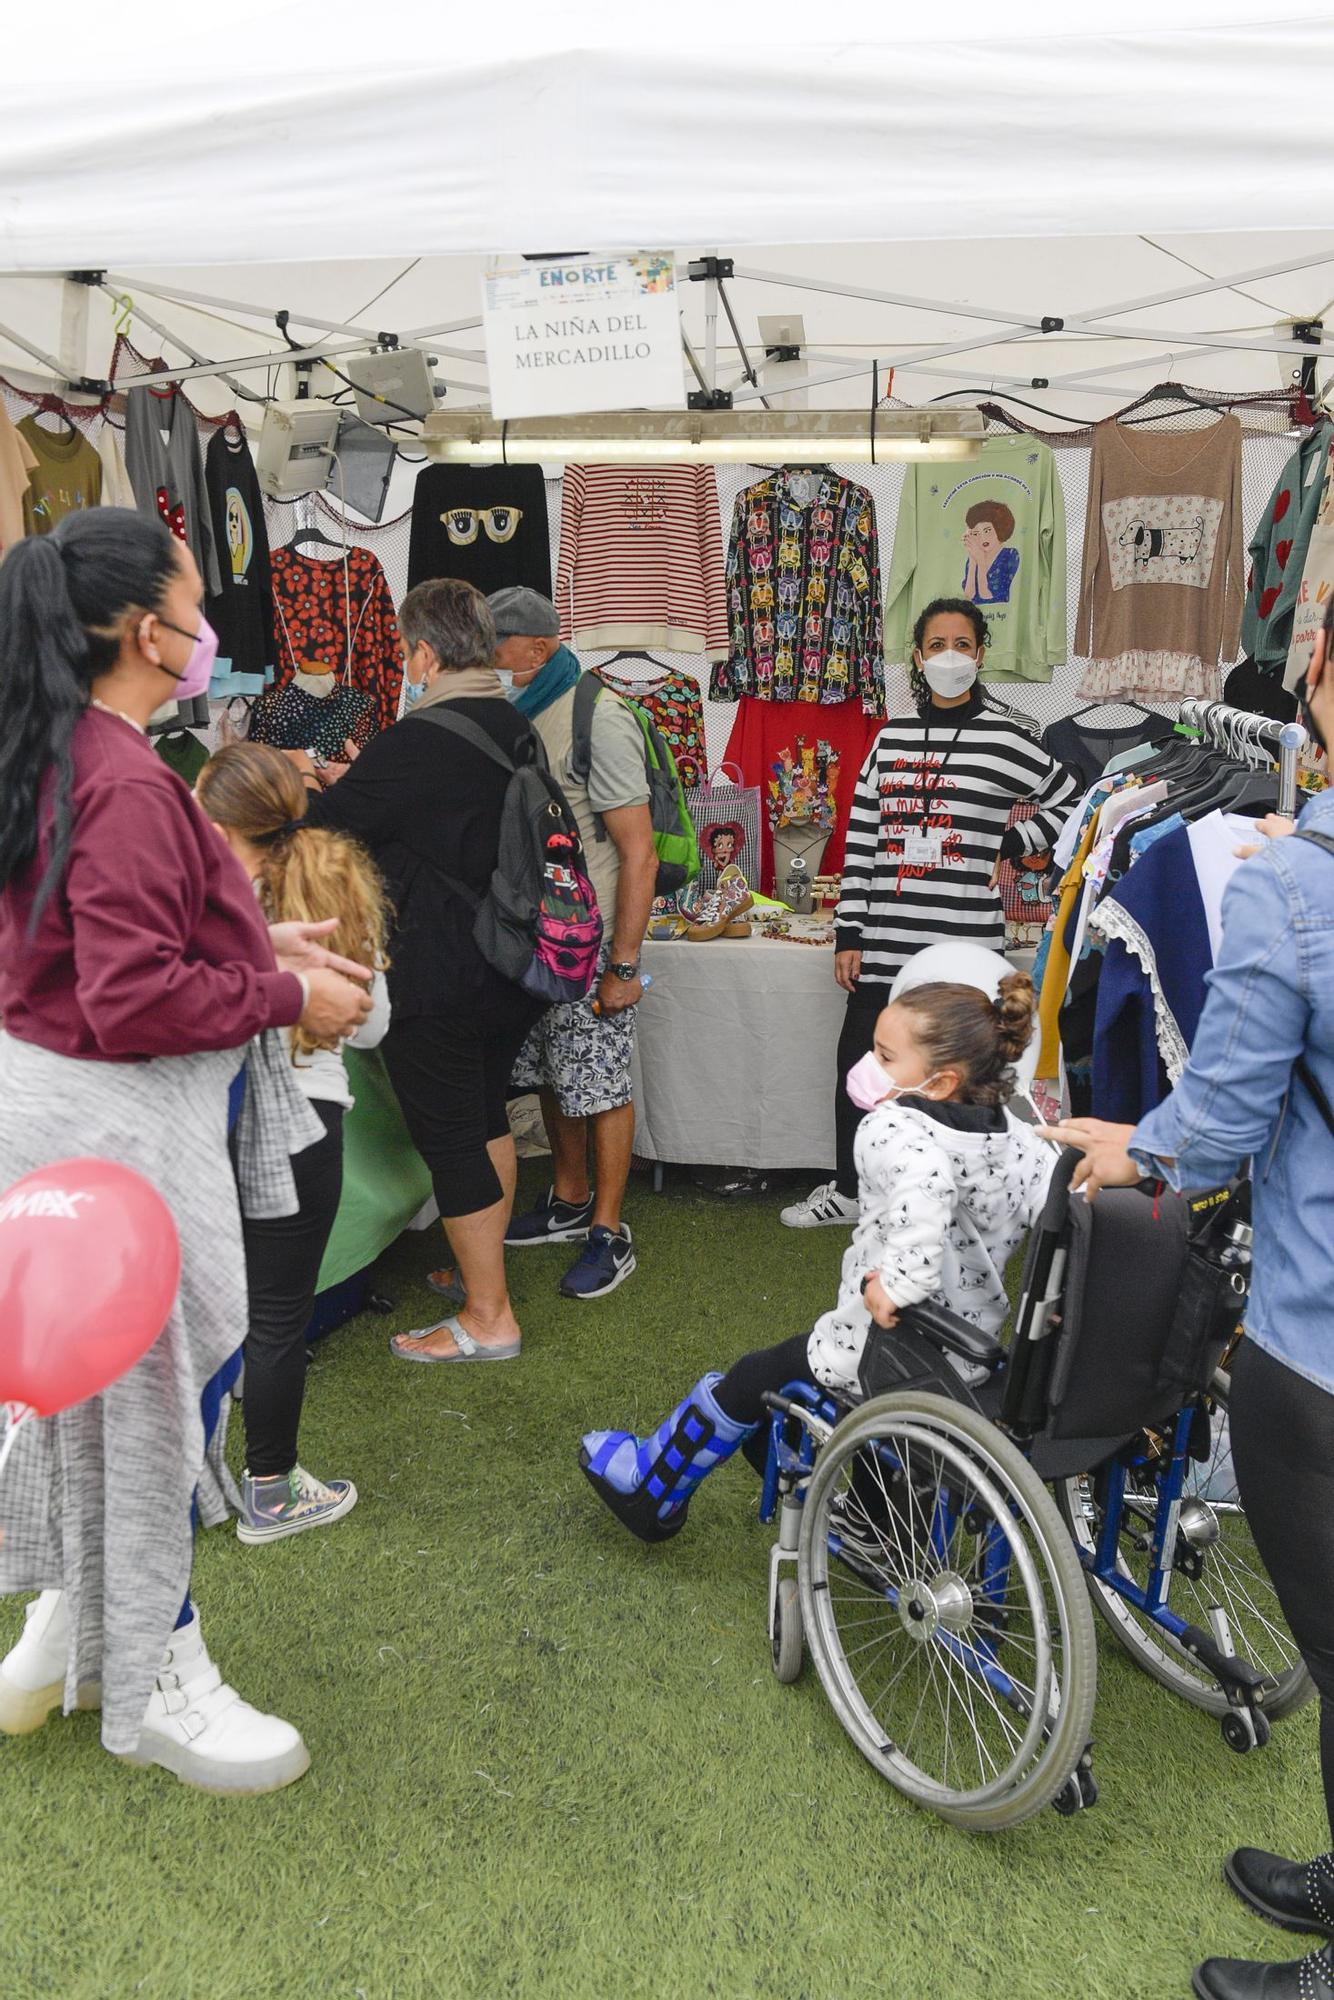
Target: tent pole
272, 358
710, 327
165, 333
175, 295
38, 353
911, 357
1153, 335
997, 317
1178, 293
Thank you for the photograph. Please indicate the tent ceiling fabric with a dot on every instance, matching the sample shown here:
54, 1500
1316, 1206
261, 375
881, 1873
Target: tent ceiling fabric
459, 148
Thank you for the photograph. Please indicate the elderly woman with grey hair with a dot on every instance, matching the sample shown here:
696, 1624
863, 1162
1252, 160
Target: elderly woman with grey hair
427, 803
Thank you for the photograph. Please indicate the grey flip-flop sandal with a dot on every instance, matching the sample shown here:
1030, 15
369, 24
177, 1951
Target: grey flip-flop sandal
468, 1348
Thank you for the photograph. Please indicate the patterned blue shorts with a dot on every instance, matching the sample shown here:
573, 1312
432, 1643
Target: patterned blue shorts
584, 1058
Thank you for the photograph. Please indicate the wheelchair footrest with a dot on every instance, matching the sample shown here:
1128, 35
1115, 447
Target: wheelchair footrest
1236, 1676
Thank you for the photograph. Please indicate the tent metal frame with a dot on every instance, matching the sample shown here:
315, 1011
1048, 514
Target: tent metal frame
1004, 328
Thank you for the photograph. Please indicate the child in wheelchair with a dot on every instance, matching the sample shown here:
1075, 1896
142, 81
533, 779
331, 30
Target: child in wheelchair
950, 1184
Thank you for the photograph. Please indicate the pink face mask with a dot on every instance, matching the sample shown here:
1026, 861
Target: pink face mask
199, 667
870, 1084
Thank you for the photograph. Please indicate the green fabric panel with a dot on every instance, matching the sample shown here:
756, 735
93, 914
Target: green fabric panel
183, 752
385, 1180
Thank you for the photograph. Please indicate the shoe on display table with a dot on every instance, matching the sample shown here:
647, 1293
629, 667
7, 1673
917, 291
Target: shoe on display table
607, 1262
823, 1208
718, 913
551, 1221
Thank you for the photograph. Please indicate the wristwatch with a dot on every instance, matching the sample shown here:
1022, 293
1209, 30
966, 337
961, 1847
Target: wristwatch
626, 971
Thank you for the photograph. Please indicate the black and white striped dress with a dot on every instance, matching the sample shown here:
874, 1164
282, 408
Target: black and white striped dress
953, 775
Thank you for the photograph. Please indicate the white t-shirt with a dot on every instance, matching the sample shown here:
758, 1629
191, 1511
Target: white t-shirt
322, 1073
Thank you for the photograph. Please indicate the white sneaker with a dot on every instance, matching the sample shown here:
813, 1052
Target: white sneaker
201, 1729
823, 1208
32, 1673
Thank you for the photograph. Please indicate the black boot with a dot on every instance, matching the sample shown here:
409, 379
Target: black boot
1251, 1979
1295, 1895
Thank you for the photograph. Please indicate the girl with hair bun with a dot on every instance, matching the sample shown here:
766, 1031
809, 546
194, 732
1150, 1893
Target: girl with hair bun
950, 1182
257, 801
135, 968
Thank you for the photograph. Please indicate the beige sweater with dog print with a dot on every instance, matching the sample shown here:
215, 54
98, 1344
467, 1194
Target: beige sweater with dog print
1164, 575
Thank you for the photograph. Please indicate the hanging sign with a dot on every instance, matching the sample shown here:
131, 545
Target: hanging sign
572, 334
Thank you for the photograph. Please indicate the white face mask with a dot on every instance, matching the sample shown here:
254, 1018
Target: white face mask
950, 674
505, 675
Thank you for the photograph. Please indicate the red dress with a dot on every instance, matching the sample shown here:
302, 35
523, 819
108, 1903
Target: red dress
763, 730
342, 616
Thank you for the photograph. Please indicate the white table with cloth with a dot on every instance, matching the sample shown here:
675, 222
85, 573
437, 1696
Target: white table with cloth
734, 1064
736, 1051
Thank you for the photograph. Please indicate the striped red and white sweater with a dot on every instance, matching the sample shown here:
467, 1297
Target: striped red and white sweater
952, 773
641, 559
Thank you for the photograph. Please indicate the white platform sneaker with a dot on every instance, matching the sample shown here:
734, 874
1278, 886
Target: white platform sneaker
32, 1673
199, 1728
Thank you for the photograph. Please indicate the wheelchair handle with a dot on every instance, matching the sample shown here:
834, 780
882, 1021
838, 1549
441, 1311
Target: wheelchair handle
1058, 1191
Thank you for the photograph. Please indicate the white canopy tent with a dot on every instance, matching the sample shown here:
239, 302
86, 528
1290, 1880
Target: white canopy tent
963, 179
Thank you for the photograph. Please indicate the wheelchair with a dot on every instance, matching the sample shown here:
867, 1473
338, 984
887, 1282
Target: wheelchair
945, 1537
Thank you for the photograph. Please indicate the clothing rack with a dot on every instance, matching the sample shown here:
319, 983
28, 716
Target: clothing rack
1235, 730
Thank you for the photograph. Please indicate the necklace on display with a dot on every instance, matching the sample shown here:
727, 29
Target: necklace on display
119, 714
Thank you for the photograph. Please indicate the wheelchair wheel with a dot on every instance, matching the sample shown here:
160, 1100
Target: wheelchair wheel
945, 1611
1220, 1566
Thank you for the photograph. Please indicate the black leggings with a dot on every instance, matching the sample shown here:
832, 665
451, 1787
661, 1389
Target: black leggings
738, 1394
283, 1258
451, 1075
865, 1007
1283, 1450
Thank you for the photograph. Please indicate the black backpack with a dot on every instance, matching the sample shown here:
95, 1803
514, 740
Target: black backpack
538, 923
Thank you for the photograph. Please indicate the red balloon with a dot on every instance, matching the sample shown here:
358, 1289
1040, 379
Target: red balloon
90, 1263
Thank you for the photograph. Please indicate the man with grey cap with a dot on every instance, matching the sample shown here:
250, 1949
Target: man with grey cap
577, 1059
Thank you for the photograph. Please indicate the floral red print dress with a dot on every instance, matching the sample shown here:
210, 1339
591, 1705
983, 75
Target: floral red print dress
340, 613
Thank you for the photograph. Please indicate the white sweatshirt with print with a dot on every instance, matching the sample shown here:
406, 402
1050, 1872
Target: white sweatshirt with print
944, 1206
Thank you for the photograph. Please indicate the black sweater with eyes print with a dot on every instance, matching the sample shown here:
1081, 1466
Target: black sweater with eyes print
485, 523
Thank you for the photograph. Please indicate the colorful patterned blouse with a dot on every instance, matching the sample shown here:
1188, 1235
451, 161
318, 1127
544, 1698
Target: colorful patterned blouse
674, 703
803, 580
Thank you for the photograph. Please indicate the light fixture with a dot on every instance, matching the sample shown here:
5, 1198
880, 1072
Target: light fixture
296, 448
706, 437
394, 386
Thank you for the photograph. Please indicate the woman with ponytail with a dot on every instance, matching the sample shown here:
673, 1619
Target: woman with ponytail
135, 967
949, 1182
256, 800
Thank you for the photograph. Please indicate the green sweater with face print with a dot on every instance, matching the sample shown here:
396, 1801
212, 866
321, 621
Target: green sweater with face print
990, 530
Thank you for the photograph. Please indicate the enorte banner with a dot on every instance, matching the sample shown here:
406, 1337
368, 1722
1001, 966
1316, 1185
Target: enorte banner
565, 335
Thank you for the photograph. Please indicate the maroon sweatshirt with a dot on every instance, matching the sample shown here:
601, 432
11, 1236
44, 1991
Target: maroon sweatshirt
153, 944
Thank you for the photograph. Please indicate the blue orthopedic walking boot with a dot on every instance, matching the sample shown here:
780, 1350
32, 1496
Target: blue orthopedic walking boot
647, 1482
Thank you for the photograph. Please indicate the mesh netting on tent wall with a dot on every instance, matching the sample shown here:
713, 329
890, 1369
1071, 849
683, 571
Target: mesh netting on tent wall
1267, 443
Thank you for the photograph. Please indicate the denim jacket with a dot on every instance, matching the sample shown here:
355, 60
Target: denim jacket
1271, 1000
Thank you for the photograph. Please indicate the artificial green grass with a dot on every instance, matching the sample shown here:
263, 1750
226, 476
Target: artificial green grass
549, 1761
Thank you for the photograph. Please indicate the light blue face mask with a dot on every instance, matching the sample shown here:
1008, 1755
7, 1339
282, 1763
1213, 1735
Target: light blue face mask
505, 676
412, 694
